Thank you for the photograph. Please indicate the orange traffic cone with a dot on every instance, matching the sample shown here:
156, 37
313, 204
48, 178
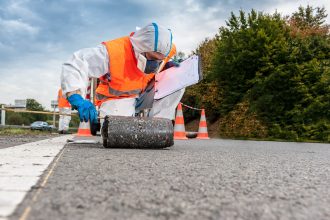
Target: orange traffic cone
202, 130
84, 129
179, 129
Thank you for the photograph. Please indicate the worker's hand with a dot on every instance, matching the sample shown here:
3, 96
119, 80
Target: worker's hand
85, 108
171, 64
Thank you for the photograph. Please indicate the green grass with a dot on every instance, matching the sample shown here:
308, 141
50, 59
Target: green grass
21, 131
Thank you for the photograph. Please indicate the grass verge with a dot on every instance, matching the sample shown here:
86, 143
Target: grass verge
21, 131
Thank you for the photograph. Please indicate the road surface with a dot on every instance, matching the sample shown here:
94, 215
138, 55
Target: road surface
12, 140
195, 179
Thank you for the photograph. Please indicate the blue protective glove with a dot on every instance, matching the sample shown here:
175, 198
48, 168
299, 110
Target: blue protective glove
171, 64
85, 108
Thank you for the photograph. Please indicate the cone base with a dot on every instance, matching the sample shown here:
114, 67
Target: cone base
180, 138
202, 138
180, 135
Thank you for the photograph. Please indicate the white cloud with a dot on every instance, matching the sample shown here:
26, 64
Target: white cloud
40, 83
5, 47
288, 7
17, 27
192, 6
191, 26
19, 9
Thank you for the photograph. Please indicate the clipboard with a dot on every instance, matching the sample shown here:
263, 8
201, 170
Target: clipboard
176, 78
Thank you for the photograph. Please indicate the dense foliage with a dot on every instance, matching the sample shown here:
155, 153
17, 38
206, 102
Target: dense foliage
269, 70
15, 118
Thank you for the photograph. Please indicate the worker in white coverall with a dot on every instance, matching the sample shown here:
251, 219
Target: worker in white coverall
127, 65
64, 108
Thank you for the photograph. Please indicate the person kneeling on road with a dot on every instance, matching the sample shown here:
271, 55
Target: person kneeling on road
64, 108
126, 68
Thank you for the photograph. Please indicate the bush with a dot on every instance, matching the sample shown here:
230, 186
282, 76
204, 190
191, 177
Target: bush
276, 67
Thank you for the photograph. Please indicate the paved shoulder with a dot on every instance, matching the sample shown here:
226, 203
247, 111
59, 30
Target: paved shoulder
14, 140
211, 179
20, 169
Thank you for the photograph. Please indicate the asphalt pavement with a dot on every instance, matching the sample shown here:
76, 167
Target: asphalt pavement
14, 140
194, 179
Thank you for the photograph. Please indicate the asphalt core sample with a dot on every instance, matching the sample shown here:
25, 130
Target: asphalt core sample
137, 132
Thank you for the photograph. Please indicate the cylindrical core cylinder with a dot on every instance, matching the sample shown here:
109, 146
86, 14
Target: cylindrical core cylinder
137, 132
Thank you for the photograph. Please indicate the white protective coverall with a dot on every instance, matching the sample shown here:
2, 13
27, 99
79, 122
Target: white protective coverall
94, 62
64, 120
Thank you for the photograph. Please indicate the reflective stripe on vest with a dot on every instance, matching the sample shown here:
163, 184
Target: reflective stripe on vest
125, 93
100, 96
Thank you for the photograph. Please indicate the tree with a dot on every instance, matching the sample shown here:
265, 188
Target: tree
245, 53
283, 76
268, 72
33, 105
14, 118
308, 21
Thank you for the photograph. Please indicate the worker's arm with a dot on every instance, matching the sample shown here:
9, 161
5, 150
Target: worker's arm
82, 65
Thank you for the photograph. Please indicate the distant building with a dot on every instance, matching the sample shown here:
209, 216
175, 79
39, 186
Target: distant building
19, 104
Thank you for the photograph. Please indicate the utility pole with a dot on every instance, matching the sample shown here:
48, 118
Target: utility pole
54, 117
3, 116
54, 105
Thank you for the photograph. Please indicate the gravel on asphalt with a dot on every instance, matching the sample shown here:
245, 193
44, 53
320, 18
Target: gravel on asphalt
13, 140
211, 179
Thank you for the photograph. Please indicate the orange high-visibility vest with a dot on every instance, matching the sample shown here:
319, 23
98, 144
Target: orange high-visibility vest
126, 80
62, 102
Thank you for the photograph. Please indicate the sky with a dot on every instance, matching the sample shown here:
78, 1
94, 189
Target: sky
37, 36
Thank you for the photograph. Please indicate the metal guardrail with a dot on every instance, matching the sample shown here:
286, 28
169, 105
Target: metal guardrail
36, 112
40, 112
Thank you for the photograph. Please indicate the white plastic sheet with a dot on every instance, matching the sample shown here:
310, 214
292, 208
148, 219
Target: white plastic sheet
176, 78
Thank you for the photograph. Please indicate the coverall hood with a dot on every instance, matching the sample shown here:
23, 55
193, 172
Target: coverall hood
152, 37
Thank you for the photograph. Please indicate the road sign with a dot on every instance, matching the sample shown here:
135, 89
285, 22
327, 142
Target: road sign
20, 103
54, 103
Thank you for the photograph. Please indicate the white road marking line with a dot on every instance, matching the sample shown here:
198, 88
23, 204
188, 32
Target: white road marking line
21, 167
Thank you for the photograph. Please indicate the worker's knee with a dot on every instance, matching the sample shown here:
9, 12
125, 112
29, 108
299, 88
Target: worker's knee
165, 107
